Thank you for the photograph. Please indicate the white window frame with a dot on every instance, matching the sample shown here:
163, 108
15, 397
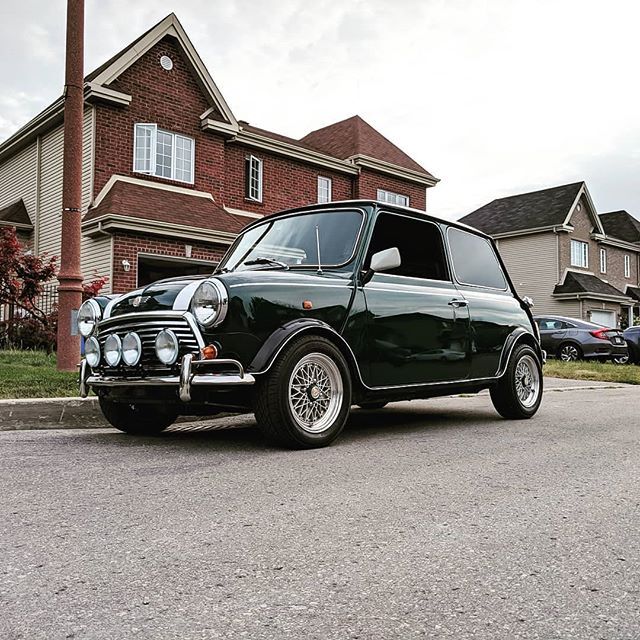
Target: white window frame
580, 257
253, 193
627, 266
150, 162
392, 198
603, 261
325, 186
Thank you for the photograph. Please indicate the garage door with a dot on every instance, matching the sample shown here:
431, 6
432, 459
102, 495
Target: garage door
605, 318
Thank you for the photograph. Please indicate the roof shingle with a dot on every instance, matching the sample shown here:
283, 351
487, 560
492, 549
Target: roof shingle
354, 136
150, 203
575, 282
523, 211
621, 225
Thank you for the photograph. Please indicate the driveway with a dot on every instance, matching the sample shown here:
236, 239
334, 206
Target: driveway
427, 519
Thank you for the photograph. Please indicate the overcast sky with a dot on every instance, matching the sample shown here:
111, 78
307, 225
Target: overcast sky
493, 97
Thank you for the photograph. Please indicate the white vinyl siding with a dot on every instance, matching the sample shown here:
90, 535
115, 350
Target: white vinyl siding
579, 254
19, 179
96, 259
627, 267
392, 198
162, 153
603, 261
324, 189
253, 178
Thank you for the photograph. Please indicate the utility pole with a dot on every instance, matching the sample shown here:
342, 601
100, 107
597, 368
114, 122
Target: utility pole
70, 275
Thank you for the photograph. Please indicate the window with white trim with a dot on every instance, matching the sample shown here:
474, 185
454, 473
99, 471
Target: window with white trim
161, 153
392, 198
627, 266
253, 178
324, 189
579, 254
603, 261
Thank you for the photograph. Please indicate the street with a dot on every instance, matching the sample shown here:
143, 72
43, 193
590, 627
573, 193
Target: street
429, 519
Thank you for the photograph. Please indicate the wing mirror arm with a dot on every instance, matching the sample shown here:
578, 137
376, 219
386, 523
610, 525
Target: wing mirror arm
385, 260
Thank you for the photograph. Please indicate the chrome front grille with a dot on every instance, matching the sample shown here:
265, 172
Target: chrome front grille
147, 326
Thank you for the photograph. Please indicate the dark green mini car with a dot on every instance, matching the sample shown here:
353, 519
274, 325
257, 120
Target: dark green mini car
311, 311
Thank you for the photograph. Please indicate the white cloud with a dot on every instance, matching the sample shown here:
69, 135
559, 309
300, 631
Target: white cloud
494, 97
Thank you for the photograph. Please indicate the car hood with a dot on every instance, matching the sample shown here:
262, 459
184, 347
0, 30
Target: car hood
175, 293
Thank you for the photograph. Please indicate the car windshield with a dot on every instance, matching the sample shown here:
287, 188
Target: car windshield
293, 241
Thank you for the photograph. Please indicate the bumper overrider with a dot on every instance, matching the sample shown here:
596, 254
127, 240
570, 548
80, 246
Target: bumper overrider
193, 370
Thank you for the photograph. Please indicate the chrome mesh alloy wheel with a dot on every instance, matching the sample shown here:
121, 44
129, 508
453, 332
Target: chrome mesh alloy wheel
527, 381
315, 392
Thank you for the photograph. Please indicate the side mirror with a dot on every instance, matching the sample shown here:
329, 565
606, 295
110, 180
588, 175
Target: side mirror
528, 301
383, 261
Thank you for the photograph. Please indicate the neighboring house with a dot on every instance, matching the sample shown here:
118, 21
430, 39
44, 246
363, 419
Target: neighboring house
170, 176
561, 253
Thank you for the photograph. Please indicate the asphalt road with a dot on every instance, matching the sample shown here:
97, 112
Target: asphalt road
427, 519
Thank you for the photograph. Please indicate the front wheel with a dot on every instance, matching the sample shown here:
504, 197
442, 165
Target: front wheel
305, 398
138, 419
518, 393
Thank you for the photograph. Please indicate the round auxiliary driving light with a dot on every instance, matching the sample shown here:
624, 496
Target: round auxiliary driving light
89, 315
131, 349
92, 352
113, 350
209, 303
167, 346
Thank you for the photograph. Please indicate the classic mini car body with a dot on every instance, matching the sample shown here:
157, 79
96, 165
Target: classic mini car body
311, 311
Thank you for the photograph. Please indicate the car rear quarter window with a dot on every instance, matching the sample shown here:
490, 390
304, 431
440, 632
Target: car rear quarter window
474, 260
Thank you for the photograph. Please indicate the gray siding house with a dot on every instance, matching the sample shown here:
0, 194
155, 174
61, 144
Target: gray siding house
560, 252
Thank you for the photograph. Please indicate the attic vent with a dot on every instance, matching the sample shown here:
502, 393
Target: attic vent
166, 63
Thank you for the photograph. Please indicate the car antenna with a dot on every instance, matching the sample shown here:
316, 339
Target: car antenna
318, 249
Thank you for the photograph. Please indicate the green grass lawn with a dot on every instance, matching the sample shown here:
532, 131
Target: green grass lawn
600, 371
32, 374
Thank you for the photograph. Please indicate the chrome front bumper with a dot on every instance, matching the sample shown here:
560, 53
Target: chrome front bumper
192, 373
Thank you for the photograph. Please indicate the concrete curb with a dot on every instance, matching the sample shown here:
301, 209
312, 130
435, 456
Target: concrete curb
51, 413
84, 413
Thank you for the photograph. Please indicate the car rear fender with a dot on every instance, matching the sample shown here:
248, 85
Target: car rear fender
518, 336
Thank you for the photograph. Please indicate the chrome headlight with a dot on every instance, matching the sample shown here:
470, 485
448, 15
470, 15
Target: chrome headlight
209, 303
131, 349
113, 350
92, 352
167, 346
89, 315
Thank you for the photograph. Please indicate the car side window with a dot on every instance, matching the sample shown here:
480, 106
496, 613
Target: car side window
418, 241
474, 260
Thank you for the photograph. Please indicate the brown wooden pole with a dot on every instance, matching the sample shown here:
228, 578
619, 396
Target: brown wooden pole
70, 274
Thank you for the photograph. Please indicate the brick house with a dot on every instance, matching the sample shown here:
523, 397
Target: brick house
563, 254
170, 176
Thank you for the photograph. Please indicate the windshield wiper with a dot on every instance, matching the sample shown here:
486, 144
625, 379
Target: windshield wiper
269, 261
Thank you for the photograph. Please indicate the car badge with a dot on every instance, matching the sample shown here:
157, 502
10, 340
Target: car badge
136, 301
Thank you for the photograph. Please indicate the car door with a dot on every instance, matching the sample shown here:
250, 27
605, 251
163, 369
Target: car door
494, 310
417, 328
552, 333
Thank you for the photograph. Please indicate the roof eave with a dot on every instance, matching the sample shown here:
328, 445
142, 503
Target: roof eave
395, 170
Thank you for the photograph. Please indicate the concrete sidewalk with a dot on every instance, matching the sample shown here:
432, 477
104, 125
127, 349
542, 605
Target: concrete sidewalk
84, 413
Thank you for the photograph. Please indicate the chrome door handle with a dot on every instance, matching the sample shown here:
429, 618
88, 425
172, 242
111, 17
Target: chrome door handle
457, 303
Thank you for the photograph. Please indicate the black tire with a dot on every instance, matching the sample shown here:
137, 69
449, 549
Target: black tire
281, 398
372, 406
569, 352
138, 419
507, 394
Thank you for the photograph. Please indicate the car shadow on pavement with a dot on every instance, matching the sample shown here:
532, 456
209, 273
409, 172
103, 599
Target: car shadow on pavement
241, 433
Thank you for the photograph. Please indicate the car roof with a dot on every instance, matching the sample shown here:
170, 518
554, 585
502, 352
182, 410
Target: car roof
376, 205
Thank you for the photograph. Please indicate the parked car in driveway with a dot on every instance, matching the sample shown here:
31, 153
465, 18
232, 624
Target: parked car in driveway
311, 311
572, 339
632, 337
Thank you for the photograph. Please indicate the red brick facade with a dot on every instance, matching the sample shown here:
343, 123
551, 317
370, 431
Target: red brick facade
174, 100
127, 246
